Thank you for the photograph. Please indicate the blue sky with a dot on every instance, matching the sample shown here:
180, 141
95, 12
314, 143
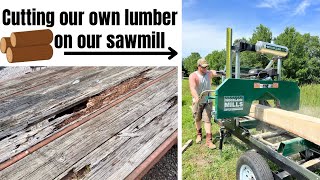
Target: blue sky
204, 22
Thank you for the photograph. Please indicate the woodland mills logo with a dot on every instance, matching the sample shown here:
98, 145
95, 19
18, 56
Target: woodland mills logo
276, 48
233, 103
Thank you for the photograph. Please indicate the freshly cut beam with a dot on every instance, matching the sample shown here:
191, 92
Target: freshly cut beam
304, 126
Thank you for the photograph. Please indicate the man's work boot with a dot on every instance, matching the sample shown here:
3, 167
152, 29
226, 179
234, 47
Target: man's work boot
199, 136
209, 143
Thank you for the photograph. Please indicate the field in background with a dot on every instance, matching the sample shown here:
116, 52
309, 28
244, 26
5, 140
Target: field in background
198, 162
310, 100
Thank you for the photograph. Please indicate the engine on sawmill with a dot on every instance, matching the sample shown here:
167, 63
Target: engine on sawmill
263, 74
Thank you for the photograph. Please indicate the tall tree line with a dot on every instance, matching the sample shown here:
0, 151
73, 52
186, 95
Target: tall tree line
302, 64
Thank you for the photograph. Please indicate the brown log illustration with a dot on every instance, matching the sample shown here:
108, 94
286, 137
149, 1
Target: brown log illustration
31, 53
31, 38
5, 43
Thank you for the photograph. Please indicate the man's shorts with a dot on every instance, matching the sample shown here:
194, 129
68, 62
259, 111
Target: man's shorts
203, 112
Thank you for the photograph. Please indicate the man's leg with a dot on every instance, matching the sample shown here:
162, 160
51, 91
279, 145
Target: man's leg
199, 132
197, 118
207, 127
206, 116
198, 124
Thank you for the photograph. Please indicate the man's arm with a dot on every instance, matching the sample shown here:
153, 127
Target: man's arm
215, 73
193, 85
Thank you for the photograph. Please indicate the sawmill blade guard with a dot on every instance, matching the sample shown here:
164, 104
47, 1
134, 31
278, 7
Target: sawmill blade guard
233, 98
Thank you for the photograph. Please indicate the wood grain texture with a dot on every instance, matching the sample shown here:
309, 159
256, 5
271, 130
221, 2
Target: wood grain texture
31, 76
301, 125
27, 109
113, 143
46, 77
32, 134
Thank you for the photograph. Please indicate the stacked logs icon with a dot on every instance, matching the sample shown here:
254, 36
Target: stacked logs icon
28, 46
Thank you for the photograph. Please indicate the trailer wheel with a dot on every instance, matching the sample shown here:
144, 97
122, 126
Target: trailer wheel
251, 165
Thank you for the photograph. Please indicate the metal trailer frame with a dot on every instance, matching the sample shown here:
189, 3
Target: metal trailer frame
238, 129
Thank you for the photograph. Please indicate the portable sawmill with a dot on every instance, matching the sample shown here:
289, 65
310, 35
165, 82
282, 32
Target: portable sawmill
257, 107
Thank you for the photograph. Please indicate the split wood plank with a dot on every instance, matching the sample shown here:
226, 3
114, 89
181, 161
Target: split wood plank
19, 112
58, 156
304, 126
27, 137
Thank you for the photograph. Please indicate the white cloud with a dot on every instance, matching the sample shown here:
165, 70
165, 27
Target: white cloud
289, 7
302, 7
203, 37
277, 4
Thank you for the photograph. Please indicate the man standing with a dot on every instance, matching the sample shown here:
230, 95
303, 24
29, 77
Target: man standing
200, 81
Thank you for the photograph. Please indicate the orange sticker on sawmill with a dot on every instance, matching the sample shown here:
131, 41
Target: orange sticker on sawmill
256, 85
275, 85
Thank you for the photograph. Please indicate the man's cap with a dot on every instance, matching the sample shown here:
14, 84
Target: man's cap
202, 62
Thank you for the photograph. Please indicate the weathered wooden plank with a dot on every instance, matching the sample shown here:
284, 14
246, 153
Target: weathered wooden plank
21, 111
63, 80
31, 76
46, 79
124, 160
28, 137
301, 125
158, 71
25, 138
61, 154
161, 115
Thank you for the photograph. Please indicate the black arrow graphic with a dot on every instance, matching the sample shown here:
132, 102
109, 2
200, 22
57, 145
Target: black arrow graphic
171, 52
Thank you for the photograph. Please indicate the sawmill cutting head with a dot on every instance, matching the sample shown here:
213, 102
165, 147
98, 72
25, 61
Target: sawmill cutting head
273, 49
263, 48
233, 98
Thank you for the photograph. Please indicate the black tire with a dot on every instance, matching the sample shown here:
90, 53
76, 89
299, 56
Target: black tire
258, 165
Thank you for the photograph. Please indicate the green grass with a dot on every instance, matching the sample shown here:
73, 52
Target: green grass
198, 162
310, 100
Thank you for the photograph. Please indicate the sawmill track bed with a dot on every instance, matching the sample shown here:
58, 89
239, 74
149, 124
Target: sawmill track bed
85, 122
